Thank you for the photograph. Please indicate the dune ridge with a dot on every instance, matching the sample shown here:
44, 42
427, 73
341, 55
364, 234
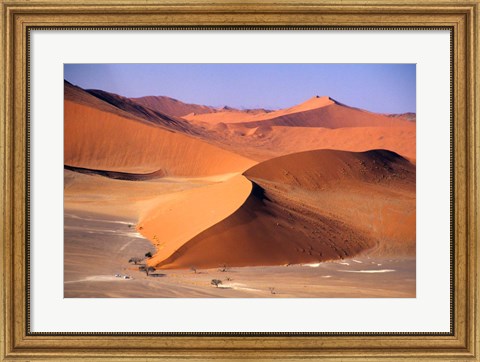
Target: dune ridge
171, 106
164, 223
122, 106
227, 115
100, 140
318, 123
262, 143
329, 116
118, 175
283, 222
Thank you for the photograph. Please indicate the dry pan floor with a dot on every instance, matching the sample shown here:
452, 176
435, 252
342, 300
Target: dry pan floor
98, 248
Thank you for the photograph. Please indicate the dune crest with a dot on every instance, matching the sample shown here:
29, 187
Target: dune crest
227, 115
172, 221
100, 140
286, 218
171, 106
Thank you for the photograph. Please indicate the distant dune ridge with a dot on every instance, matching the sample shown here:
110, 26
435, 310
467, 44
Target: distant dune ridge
99, 139
172, 106
314, 182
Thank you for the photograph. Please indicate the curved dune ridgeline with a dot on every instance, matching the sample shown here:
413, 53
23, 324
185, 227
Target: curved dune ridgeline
330, 116
313, 206
99, 140
280, 141
172, 106
173, 221
327, 169
315, 112
318, 123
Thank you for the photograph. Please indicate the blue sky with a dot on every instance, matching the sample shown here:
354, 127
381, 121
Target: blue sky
383, 88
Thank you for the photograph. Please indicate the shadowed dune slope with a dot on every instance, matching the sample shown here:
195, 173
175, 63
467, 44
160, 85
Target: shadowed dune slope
322, 169
122, 106
330, 116
100, 140
289, 217
145, 113
170, 106
315, 112
318, 123
172, 221
263, 143
125, 176
238, 116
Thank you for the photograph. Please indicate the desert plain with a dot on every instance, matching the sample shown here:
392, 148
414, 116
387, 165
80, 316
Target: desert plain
168, 199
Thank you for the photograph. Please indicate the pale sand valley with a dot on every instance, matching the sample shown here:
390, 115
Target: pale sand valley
168, 199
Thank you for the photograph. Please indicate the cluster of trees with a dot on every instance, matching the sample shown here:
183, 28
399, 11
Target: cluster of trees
147, 269
143, 267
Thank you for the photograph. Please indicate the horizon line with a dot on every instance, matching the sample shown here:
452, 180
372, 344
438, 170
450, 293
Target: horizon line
241, 108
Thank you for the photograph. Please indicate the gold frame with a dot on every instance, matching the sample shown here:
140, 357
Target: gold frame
461, 17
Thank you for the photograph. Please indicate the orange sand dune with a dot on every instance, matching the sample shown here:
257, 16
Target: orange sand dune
173, 220
101, 140
319, 123
122, 106
230, 116
287, 217
324, 169
125, 176
262, 143
172, 106
401, 140
237, 116
315, 112
330, 116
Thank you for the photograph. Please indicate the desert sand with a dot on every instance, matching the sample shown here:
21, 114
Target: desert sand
101, 140
315, 200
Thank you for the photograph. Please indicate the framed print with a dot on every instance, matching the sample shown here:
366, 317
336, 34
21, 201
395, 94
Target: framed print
239, 181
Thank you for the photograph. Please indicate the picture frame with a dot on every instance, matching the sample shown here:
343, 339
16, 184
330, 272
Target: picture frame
17, 340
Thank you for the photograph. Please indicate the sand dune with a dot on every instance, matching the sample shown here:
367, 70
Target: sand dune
171, 222
320, 170
238, 116
124, 107
172, 107
318, 123
264, 142
100, 140
315, 112
145, 113
119, 175
329, 116
282, 220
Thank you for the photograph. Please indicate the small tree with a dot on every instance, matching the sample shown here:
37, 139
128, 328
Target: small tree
148, 255
150, 269
194, 269
216, 282
135, 260
223, 268
272, 291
